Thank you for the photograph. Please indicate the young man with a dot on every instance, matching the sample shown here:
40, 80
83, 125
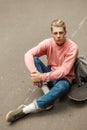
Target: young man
54, 79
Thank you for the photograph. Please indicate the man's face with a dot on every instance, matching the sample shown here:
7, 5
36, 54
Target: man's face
58, 33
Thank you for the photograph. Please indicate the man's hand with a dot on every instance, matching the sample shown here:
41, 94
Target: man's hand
36, 79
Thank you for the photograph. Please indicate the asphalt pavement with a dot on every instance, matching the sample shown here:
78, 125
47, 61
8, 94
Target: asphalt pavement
23, 24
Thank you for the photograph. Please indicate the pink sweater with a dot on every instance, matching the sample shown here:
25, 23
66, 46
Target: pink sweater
60, 58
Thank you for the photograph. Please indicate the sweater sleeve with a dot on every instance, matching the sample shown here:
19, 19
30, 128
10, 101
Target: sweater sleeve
38, 51
65, 68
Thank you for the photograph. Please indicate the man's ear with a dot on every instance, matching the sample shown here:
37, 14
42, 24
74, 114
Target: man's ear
51, 33
65, 32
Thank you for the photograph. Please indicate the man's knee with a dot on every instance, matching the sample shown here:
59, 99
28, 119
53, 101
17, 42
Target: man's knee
36, 59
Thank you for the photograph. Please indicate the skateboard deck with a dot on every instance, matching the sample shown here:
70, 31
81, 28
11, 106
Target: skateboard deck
78, 93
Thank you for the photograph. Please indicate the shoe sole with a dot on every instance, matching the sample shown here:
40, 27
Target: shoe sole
49, 107
7, 116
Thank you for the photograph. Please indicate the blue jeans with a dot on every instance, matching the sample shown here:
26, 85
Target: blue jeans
58, 88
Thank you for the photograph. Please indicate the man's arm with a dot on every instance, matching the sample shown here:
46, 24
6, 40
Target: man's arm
38, 51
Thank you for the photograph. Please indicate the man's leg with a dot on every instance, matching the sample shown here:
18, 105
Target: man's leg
42, 68
60, 88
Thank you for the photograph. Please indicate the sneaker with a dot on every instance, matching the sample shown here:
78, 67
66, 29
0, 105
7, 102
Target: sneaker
49, 107
15, 114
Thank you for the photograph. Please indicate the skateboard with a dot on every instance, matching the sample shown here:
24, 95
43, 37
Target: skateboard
78, 93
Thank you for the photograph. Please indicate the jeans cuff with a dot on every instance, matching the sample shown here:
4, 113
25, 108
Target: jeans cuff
37, 107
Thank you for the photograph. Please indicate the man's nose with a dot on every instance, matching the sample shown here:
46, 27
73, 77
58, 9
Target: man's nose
58, 35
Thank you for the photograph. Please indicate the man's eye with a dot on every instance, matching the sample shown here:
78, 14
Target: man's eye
61, 32
55, 33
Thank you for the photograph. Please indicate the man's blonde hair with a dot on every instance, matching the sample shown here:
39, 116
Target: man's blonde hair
58, 23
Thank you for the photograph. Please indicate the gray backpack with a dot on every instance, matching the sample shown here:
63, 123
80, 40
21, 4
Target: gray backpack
81, 71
